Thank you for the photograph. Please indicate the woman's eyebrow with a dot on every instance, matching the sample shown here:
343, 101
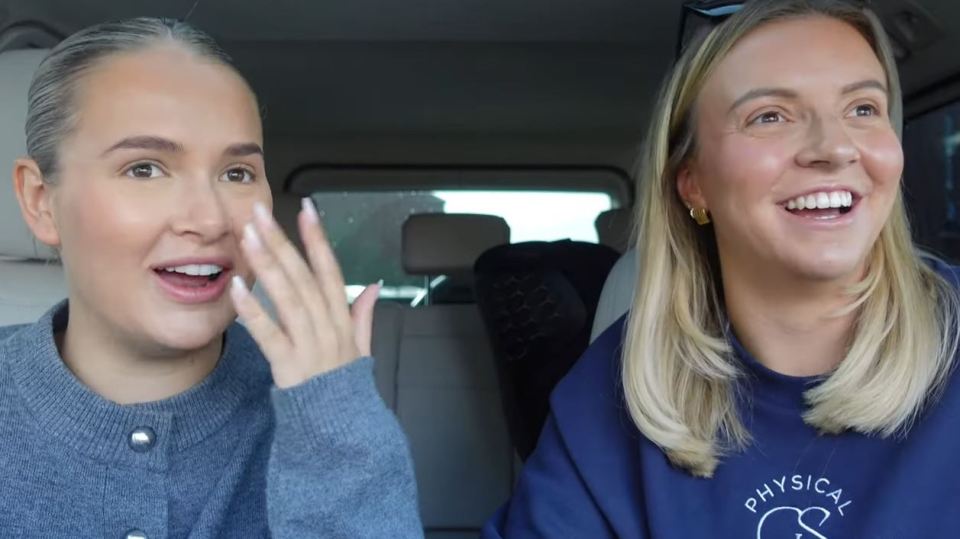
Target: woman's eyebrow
763, 92
243, 149
790, 94
868, 83
146, 143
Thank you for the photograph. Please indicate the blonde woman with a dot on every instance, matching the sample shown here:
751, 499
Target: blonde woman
786, 368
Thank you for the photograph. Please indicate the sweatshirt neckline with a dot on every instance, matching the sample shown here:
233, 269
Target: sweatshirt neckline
768, 385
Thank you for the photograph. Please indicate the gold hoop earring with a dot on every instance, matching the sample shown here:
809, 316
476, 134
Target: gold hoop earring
700, 215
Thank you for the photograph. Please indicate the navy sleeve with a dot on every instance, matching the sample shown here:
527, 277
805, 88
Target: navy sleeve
551, 499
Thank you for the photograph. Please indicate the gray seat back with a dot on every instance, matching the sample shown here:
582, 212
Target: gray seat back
436, 370
617, 296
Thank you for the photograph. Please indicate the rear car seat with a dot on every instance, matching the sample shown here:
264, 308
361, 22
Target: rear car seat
614, 228
617, 295
435, 369
31, 281
538, 301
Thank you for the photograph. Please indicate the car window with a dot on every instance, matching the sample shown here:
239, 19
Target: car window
364, 227
932, 178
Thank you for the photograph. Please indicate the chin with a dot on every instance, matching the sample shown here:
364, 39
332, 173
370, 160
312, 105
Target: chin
830, 266
189, 331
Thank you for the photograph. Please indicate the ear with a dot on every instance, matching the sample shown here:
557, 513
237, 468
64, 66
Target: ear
688, 186
35, 198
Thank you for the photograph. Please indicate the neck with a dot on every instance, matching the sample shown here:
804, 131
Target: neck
789, 324
120, 371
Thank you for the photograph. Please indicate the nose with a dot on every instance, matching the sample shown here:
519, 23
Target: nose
828, 145
201, 211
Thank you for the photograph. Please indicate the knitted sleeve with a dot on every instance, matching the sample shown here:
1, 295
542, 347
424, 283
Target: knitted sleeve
339, 465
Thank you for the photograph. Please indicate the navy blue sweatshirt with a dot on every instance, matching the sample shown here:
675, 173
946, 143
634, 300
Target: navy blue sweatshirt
593, 475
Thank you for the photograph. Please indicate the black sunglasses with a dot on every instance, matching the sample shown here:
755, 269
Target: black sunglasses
700, 15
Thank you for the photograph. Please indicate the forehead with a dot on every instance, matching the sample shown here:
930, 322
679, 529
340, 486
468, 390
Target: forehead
165, 91
804, 52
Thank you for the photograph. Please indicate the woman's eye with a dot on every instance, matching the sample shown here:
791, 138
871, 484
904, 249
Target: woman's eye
865, 110
238, 175
144, 171
770, 117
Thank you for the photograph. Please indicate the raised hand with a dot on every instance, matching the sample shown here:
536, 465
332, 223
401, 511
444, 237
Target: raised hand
317, 332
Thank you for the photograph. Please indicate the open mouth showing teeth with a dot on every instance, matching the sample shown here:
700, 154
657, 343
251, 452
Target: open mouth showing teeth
192, 275
822, 205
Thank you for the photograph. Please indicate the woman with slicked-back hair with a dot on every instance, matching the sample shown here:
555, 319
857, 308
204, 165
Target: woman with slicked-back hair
787, 367
138, 407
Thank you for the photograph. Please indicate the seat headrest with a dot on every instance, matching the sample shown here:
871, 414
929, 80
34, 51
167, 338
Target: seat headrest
17, 68
614, 228
447, 243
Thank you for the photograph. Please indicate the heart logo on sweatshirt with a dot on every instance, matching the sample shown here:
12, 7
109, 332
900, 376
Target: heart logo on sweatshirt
793, 523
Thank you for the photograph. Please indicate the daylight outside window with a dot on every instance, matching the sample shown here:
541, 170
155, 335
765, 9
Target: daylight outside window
364, 227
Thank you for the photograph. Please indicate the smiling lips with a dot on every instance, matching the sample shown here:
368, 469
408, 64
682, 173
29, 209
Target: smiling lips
193, 283
822, 205
822, 201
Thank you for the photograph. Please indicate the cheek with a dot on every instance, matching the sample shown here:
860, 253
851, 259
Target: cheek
742, 169
101, 221
882, 157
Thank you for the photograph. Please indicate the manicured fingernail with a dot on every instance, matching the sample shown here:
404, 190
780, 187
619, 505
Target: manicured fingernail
309, 209
250, 236
380, 283
262, 213
238, 288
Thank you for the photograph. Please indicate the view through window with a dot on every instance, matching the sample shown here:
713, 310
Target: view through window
364, 227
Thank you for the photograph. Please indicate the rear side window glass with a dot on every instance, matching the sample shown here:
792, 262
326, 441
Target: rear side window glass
364, 227
932, 179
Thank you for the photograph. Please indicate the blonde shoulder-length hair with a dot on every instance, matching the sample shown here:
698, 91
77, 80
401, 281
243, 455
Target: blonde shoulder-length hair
680, 378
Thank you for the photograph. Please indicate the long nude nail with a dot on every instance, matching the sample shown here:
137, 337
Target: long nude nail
238, 288
250, 236
262, 213
310, 209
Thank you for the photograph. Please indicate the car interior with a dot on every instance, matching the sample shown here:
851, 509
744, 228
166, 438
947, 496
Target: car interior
478, 157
